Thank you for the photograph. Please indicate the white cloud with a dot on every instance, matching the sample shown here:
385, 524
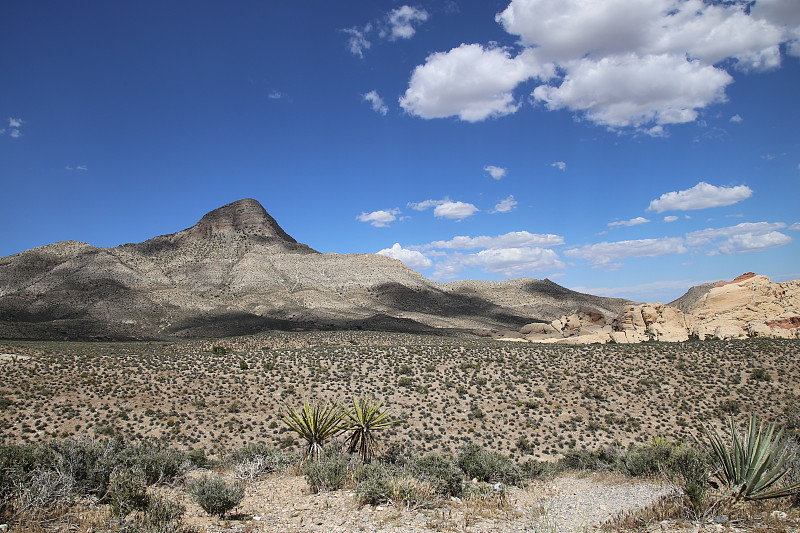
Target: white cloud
749, 242
794, 227
381, 218
454, 210
630, 90
358, 42
402, 20
670, 218
605, 253
495, 172
514, 239
413, 259
620, 63
632, 222
741, 238
471, 82
701, 196
505, 206
560, 165
737, 118
513, 262
427, 204
707, 236
376, 102
14, 124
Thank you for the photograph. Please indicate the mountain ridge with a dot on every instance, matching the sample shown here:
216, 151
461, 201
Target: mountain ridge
237, 271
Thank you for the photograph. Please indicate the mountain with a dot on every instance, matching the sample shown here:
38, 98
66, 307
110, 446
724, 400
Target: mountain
238, 272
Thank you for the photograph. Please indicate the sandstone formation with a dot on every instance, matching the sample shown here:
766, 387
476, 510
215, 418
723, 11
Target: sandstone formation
238, 272
748, 306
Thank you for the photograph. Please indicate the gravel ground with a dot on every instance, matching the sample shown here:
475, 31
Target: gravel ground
564, 504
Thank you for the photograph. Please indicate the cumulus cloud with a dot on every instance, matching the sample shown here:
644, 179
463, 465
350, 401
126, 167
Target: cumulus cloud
707, 236
670, 218
446, 208
376, 102
381, 218
402, 20
741, 238
454, 210
701, 196
513, 262
606, 253
629, 90
560, 165
471, 82
505, 206
514, 239
632, 222
794, 227
638, 64
413, 259
749, 242
495, 172
737, 118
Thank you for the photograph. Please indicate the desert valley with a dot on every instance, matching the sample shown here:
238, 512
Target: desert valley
201, 341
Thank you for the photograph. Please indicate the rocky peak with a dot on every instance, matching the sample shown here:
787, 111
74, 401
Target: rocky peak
243, 216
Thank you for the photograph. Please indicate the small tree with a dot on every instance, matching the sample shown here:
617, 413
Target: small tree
362, 422
315, 423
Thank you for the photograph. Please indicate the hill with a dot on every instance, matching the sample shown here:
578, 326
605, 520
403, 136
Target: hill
238, 272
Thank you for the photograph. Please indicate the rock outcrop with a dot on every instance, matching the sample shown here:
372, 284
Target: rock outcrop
749, 306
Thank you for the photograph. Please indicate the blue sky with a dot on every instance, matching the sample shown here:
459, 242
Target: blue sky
628, 148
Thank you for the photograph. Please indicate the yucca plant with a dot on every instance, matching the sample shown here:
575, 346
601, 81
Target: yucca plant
366, 417
753, 463
315, 423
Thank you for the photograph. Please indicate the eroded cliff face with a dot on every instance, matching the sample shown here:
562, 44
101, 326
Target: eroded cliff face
749, 306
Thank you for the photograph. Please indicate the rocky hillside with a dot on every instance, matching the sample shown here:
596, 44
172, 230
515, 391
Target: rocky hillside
748, 306
237, 272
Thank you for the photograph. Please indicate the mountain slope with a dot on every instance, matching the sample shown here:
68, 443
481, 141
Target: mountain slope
237, 271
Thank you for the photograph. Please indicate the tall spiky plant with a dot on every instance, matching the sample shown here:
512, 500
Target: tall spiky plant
366, 417
753, 463
315, 423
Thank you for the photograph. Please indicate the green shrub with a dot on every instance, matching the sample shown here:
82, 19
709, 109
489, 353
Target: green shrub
127, 491
692, 467
197, 458
373, 484
215, 495
378, 483
477, 462
441, 472
649, 459
326, 472
158, 462
163, 514
16, 463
